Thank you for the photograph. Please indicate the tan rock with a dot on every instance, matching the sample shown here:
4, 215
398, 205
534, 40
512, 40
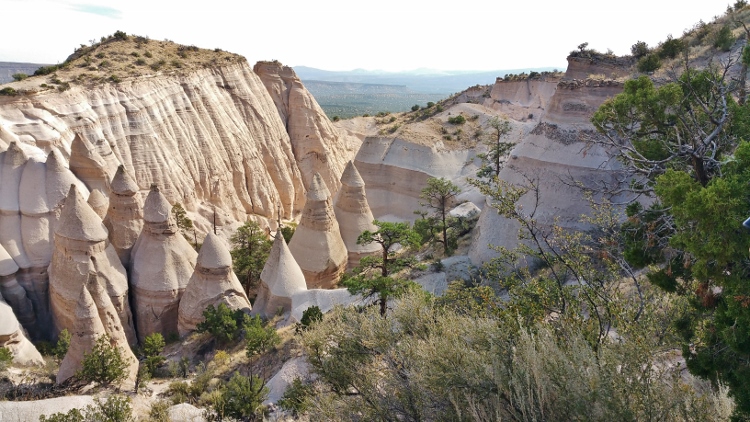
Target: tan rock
280, 279
88, 163
99, 203
124, 218
212, 283
14, 339
81, 250
162, 264
353, 215
89, 327
317, 245
14, 294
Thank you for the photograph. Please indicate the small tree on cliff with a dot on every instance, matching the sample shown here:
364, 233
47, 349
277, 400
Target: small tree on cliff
250, 249
374, 275
492, 160
437, 225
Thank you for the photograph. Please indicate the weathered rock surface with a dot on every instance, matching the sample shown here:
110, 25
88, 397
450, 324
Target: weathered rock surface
24, 411
124, 218
13, 338
317, 245
280, 279
212, 283
162, 263
13, 293
99, 203
353, 215
318, 145
295, 368
89, 327
82, 254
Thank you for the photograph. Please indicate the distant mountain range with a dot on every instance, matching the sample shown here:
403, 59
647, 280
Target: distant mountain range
428, 81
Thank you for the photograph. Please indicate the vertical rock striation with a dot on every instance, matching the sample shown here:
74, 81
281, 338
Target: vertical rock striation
212, 283
81, 252
317, 245
353, 215
124, 218
162, 264
13, 338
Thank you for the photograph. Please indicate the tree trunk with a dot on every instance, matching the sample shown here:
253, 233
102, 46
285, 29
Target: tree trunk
383, 306
700, 171
445, 228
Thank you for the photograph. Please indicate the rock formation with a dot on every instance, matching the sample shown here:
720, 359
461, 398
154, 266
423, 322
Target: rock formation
212, 283
13, 338
13, 292
99, 203
353, 215
318, 145
280, 279
124, 218
82, 251
162, 264
317, 245
88, 328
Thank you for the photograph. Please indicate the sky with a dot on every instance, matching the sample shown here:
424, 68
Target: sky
391, 35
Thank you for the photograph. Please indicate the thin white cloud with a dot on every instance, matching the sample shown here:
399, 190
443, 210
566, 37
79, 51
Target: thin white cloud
100, 10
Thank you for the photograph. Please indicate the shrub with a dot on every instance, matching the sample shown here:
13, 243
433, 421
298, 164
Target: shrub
19, 76
8, 91
159, 411
221, 322
104, 364
6, 357
153, 345
63, 342
649, 63
148, 54
46, 70
242, 397
430, 104
259, 338
311, 315
119, 35
671, 48
296, 398
724, 38
457, 120
140, 62
114, 409
336, 118
114, 78
415, 107
639, 49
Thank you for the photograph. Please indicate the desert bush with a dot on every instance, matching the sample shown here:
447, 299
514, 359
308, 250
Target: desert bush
46, 70
670, 48
724, 38
415, 107
61, 347
8, 91
119, 35
221, 322
114, 409
6, 357
297, 396
19, 76
140, 62
430, 104
114, 78
336, 118
259, 337
639, 49
153, 345
242, 397
105, 363
648, 63
148, 54
457, 120
310, 316
159, 411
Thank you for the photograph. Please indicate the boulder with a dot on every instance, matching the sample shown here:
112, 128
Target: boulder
317, 245
213, 283
162, 264
280, 279
353, 215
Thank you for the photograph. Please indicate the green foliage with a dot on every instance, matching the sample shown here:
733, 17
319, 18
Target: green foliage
430, 104
114, 78
153, 345
6, 357
724, 38
46, 70
19, 76
104, 365
415, 107
222, 323
457, 120
120, 36
63, 342
437, 225
375, 274
185, 224
336, 118
648, 63
492, 160
114, 409
250, 249
259, 337
159, 411
288, 231
310, 316
8, 91
297, 397
242, 397
639, 49
671, 47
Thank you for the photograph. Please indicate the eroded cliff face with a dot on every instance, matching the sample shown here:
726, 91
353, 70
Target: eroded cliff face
318, 146
211, 138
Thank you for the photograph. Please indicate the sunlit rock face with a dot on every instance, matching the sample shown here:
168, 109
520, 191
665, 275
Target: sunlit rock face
280, 279
82, 256
212, 283
353, 215
124, 218
317, 245
162, 264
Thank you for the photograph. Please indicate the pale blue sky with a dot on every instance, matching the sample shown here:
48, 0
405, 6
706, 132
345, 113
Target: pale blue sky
347, 34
